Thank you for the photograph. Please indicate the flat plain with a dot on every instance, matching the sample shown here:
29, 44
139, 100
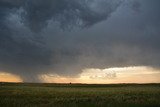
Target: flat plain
79, 95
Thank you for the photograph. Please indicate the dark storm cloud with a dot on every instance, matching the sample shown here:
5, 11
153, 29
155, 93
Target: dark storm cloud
67, 12
66, 36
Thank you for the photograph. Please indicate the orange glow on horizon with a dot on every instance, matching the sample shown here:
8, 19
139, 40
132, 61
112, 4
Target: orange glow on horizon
7, 77
139, 74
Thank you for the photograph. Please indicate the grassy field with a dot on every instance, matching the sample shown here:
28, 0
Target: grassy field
79, 95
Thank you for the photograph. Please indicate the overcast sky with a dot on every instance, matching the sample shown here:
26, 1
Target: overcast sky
64, 37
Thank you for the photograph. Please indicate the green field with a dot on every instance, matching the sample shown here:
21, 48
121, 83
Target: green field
79, 95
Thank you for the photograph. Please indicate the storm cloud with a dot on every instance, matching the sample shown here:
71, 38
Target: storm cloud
66, 36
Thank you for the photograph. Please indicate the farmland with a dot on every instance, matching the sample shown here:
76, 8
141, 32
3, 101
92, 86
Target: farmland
79, 95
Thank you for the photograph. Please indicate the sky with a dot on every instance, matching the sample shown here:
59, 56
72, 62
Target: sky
80, 41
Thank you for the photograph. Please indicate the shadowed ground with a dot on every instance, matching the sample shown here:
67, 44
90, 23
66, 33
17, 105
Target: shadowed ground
79, 95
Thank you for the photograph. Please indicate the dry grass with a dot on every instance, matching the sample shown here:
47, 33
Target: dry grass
79, 95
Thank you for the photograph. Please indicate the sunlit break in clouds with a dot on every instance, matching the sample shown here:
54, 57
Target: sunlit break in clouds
80, 41
109, 75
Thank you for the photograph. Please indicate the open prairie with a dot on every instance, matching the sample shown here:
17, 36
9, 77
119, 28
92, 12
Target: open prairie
79, 95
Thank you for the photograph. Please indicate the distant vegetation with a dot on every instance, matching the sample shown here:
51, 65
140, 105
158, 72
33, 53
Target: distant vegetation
79, 95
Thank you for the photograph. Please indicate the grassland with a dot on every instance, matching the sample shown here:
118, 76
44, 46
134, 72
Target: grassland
79, 95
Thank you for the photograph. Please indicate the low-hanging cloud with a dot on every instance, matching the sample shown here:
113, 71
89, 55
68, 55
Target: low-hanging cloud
66, 36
